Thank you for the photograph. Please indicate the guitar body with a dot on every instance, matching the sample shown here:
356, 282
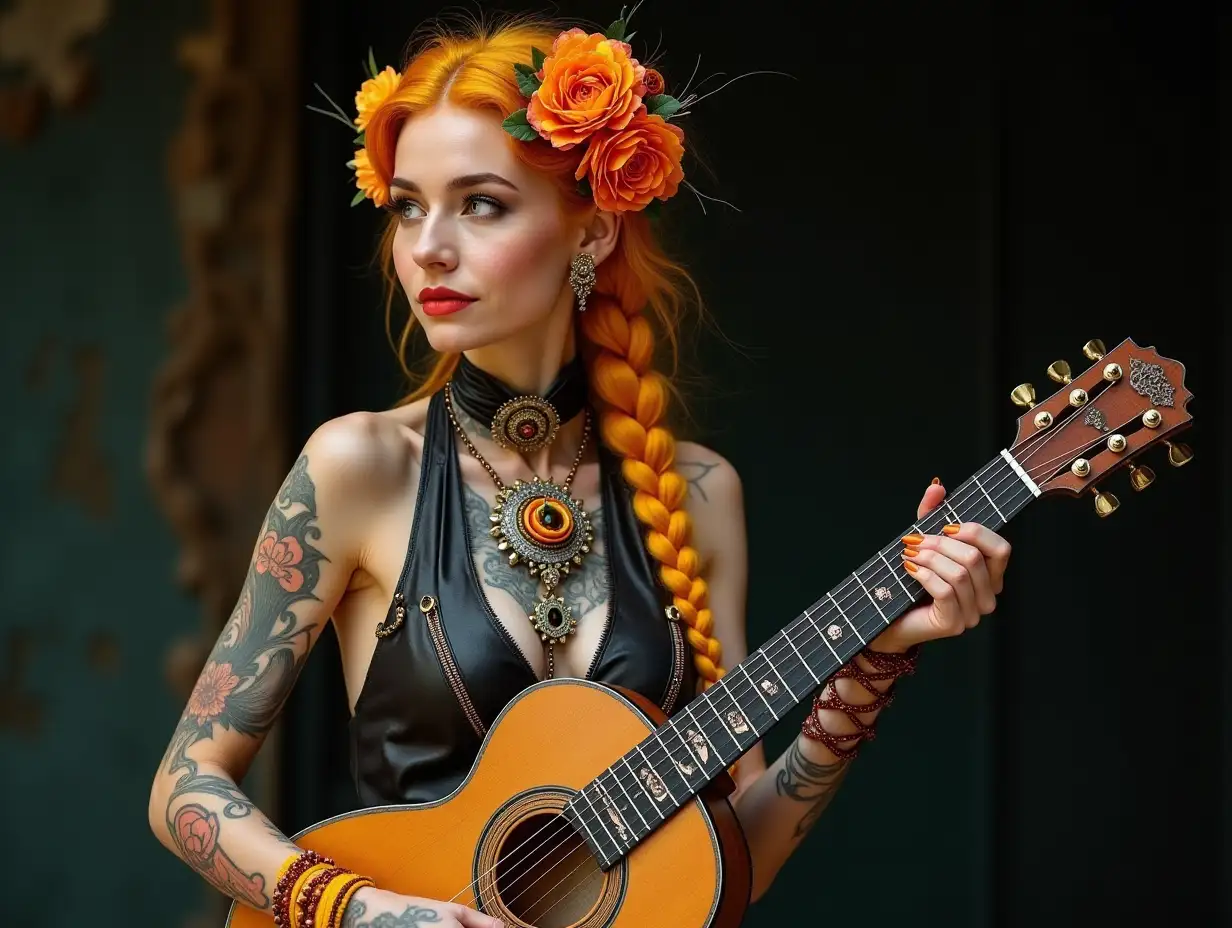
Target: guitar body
497, 843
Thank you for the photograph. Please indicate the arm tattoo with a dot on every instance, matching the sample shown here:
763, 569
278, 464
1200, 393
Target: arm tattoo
804, 781
413, 917
698, 470
585, 588
246, 679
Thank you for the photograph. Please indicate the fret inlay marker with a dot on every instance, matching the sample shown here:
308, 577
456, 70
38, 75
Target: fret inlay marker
654, 785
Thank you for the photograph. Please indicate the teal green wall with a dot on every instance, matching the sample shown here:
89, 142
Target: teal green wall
89, 270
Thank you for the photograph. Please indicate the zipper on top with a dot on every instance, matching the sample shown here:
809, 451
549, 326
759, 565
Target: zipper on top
428, 606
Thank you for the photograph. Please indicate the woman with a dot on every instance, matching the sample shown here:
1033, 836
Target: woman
518, 182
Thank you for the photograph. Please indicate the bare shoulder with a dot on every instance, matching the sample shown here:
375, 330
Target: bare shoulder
715, 503
364, 456
714, 483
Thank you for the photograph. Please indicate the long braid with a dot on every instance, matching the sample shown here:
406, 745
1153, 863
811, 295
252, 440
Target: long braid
634, 398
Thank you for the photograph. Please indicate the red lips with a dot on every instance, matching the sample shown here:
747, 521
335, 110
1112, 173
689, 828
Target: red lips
441, 301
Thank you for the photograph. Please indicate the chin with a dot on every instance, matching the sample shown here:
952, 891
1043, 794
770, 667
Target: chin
453, 335
465, 332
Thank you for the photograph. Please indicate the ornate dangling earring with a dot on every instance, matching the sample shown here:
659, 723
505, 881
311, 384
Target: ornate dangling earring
582, 278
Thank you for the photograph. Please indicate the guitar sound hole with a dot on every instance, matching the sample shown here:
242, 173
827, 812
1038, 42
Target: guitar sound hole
546, 877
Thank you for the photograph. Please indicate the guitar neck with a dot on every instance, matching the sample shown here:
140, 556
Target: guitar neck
636, 794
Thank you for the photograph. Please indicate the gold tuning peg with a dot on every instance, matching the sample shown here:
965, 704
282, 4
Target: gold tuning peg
1105, 503
1094, 349
1179, 454
1059, 371
1140, 477
1023, 395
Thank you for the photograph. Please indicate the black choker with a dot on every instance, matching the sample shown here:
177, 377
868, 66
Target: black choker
525, 422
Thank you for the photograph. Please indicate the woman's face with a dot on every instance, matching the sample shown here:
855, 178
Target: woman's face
483, 230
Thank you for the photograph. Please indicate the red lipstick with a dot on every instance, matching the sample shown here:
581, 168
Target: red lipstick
441, 301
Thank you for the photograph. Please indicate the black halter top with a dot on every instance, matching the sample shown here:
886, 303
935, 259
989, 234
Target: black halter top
439, 681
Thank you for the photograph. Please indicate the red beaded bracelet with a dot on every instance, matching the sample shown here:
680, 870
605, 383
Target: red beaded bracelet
282, 891
886, 666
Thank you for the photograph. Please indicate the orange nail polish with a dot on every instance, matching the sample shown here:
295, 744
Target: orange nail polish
936, 480
911, 552
912, 539
910, 566
951, 529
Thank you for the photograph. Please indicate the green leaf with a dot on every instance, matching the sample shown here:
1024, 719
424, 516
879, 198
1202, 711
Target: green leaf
616, 31
528, 81
371, 63
583, 187
517, 126
358, 198
653, 209
359, 140
536, 58
662, 104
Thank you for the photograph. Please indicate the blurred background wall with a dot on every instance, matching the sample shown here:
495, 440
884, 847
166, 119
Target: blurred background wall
939, 204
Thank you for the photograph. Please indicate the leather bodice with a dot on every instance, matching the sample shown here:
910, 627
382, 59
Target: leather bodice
439, 681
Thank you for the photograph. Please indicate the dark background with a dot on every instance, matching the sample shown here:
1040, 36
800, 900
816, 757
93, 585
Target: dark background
941, 200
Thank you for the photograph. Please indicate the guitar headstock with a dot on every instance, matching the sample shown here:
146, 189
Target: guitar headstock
1128, 401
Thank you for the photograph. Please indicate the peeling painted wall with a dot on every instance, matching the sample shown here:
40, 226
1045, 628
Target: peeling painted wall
89, 269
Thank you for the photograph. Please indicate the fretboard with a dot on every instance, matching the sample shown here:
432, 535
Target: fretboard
641, 790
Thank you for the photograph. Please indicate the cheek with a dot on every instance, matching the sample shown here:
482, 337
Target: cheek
528, 259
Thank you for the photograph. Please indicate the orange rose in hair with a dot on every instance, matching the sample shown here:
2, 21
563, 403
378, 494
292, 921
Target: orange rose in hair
372, 93
628, 169
588, 83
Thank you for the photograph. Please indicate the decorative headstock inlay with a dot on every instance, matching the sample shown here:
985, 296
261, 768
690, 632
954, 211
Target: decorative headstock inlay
1096, 419
1102, 419
1150, 381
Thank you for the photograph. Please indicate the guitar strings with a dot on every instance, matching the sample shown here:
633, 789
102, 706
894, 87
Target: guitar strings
999, 486
972, 492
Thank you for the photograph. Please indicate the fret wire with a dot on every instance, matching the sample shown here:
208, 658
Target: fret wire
602, 823
756, 688
688, 746
787, 638
701, 730
709, 700
724, 687
871, 599
630, 798
1010, 501
654, 805
894, 574
823, 636
953, 512
764, 650
844, 615
611, 805
674, 762
990, 499
662, 779
581, 820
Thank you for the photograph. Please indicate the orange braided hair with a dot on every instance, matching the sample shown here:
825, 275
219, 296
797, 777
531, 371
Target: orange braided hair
475, 68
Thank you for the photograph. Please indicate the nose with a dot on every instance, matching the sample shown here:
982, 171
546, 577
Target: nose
434, 247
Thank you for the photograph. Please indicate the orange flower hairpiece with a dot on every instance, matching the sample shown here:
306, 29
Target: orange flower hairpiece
372, 93
589, 92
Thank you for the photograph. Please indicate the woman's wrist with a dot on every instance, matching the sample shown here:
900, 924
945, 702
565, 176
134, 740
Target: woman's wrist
845, 710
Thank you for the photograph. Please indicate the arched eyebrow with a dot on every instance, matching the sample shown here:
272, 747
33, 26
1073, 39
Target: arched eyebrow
458, 183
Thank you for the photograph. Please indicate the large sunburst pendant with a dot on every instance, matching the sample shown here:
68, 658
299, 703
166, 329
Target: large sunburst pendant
542, 527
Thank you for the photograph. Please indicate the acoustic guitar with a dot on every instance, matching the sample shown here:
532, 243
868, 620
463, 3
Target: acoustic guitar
587, 808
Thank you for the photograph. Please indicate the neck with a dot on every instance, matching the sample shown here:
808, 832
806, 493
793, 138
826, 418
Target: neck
529, 360
641, 790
